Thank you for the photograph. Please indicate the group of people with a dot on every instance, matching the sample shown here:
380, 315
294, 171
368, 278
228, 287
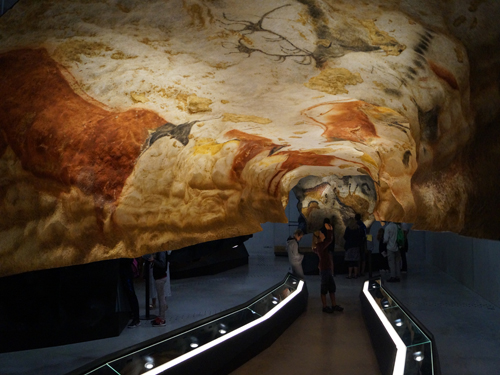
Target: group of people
157, 266
394, 254
356, 252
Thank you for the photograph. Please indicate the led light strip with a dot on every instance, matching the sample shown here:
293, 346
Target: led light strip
227, 336
399, 363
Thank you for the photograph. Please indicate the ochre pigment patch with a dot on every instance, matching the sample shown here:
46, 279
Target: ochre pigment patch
206, 146
233, 117
196, 104
73, 49
250, 146
139, 98
382, 39
334, 80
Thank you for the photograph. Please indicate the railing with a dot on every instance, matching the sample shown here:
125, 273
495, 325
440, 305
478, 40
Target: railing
402, 345
216, 344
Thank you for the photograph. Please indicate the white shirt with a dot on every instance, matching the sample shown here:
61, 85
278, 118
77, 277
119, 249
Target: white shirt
390, 236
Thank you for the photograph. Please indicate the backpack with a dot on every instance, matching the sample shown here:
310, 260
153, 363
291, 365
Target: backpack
400, 238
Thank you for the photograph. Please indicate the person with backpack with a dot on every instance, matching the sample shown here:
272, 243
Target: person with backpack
393, 253
160, 263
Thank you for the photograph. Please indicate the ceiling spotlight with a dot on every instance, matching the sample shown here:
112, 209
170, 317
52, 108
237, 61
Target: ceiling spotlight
418, 356
398, 322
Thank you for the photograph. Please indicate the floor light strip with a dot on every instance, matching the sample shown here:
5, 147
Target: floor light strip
399, 363
227, 336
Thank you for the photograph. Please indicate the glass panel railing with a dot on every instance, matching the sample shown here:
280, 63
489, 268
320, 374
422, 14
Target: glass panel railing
167, 350
174, 349
275, 297
418, 356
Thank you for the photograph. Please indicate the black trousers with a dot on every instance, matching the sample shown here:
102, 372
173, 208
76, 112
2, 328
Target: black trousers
404, 250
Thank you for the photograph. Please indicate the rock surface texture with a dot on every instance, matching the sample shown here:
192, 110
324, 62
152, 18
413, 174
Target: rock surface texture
127, 126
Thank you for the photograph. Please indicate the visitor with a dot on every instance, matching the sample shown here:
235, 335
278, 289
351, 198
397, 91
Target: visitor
294, 257
331, 247
382, 249
148, 276
393, 253
160, 264
363, 250
404, 263
326, 269
354, 237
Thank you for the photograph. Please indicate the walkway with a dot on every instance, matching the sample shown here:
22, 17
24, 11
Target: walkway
466, 327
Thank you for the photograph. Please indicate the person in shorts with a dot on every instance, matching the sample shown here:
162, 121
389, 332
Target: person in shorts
326, 269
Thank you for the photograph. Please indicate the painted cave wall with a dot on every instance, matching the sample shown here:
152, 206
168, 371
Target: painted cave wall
129, 126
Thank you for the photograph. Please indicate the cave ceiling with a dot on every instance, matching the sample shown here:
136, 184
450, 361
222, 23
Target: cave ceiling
131, 126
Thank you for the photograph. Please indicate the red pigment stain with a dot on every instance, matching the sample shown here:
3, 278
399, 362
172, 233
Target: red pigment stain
294, 160
345, 120
444, 74
298, 158
59, 135
252, 145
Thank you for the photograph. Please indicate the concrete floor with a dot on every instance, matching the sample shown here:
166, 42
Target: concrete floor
466, 327
320, 343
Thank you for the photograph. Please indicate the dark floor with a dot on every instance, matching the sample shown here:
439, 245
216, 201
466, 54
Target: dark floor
466, 327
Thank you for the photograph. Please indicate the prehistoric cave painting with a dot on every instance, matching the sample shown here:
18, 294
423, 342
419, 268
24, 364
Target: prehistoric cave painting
352, 120
286, 160
81, 181
180, 132
59, 135
420, 63
337, 198
286, 47
343, 121
329, 43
